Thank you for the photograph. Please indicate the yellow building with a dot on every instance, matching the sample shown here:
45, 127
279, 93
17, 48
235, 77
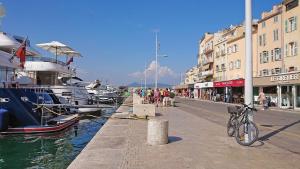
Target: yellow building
278, 60
206, 57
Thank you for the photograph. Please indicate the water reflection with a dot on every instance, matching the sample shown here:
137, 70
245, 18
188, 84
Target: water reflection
55, 151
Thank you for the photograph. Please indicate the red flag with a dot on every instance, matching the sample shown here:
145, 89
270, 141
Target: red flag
21, 53
70, 60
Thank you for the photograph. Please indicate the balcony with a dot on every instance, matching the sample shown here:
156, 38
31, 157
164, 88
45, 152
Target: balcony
208, 50
208, 61
207, 73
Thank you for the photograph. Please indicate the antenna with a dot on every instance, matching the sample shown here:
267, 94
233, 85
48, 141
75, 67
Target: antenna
2, 13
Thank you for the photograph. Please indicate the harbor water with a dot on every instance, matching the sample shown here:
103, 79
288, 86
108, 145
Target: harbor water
54, 151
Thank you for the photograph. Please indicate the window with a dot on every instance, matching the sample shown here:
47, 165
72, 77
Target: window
291, 5
217, 68
234, 48
277, 54
291, 24
223, 67
262, 40
238, 64
292, 69
275, 35
265, 57
265, 72
275, 19
291, 49
263, 24
229, 50
277, 71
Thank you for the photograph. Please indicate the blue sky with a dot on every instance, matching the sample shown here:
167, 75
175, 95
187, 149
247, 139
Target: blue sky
116, 37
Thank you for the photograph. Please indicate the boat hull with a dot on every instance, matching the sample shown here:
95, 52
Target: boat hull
41, 129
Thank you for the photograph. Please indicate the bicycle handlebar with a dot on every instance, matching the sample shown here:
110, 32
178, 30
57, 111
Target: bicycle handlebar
247, 106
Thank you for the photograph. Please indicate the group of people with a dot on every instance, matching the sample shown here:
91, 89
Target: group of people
157, 96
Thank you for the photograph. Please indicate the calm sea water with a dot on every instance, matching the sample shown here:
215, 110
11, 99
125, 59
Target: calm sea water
55, 151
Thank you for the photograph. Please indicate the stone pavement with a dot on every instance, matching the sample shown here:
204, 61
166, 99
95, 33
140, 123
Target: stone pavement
195, 143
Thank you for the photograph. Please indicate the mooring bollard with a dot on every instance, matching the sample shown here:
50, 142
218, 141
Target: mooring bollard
157, 131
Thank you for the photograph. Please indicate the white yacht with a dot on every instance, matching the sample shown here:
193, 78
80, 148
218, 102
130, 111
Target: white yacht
43, 72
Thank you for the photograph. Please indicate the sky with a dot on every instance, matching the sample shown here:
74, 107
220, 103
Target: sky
116, 37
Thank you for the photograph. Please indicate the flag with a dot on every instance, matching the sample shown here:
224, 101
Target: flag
21, 53
70, 60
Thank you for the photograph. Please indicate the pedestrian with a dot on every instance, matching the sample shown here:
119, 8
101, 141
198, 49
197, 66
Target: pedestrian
156, 97
262, 99
166, 97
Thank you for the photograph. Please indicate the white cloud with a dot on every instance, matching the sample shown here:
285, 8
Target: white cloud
163, 71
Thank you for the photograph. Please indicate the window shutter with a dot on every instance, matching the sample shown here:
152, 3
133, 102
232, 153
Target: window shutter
295, 22
286, 26
286, 50
296, 49
260, 58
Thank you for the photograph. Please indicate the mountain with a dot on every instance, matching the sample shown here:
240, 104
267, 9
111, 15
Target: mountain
151, 85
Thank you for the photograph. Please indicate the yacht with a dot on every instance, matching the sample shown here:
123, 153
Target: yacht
19, 110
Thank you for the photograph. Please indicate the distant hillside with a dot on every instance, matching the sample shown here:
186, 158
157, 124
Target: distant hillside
152, 85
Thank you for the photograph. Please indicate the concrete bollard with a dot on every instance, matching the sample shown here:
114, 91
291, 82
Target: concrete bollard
157, 132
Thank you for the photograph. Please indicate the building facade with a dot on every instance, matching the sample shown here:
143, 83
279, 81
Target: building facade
220, 69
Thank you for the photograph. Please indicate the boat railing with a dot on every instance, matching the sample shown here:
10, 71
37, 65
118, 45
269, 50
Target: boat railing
45, 59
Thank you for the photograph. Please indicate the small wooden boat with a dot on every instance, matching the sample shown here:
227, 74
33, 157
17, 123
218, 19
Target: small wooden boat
57, 124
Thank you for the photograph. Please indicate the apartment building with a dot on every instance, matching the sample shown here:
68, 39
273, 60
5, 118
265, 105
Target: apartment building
278, 63
206, 57
276, 59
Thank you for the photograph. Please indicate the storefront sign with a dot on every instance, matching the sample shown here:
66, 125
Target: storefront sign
204, 85
231, 83
284, 77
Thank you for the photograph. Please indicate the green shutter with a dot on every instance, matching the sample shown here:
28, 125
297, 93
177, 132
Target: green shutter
286, 50
286, 26
295, 22
296, 49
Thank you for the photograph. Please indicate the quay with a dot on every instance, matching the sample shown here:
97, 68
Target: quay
195, 142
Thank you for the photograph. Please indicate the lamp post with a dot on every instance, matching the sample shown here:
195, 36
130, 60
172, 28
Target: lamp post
249, 64
156, 58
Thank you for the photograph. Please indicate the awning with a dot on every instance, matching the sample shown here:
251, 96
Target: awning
204, 85
184, 86
230, 83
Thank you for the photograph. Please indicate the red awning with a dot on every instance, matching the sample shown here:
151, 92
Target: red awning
230, 83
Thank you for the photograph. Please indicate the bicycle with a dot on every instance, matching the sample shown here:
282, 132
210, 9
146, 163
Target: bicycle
239, 125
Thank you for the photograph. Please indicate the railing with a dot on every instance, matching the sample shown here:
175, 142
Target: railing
45, 59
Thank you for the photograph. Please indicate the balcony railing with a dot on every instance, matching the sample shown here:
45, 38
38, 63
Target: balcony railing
44, 59
207, 73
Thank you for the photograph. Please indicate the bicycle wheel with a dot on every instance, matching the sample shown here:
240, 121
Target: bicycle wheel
246, 133
231, 125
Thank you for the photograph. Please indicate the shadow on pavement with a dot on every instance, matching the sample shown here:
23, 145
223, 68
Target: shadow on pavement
173, 139
267, 136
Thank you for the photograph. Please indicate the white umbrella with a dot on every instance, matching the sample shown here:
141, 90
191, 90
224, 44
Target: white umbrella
72, 53
55, 47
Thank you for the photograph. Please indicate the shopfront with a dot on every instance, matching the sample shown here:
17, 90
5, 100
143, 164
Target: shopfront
233, 90
285, 89
203, 90
181, 90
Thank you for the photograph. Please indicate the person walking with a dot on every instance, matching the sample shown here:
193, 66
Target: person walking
262, 99
156, 97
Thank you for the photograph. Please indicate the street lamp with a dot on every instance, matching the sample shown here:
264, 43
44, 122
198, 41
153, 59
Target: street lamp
156, 58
